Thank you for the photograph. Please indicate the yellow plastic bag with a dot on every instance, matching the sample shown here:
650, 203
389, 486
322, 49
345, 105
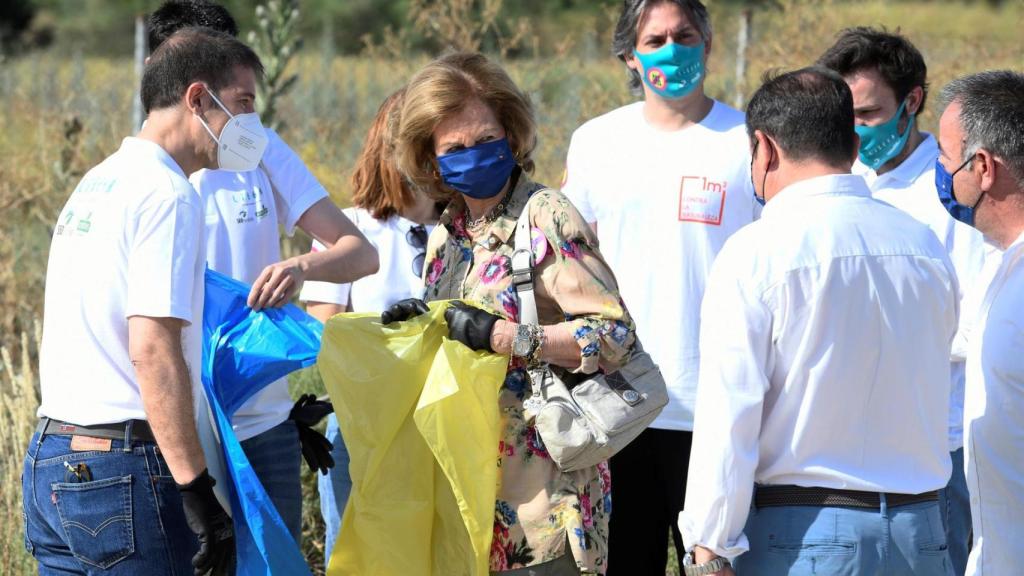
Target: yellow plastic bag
419, 415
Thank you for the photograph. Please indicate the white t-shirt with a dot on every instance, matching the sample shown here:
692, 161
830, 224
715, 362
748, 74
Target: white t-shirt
127, 243
911, 188
244, 213
664, 203
396, 279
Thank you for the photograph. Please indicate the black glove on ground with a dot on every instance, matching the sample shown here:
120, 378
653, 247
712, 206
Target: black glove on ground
316, 449
469, 325
210, 523
403, 310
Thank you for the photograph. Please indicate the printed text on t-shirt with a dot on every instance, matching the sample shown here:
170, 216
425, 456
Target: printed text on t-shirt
701, 200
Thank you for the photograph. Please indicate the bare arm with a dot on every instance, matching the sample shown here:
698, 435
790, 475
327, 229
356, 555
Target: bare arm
322, 311
349, 256
154, 345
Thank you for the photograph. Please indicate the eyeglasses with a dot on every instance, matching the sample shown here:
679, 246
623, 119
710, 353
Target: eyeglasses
417, 238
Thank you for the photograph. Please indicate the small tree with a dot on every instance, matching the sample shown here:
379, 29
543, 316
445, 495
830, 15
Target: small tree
276, 41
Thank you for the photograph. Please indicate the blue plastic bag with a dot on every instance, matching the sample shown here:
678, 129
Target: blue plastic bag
243, 352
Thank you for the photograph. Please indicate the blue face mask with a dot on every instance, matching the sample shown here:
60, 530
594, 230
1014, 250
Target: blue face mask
674, 70
879, 144
944, 186
479, 172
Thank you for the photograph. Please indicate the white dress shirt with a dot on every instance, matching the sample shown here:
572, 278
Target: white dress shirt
911, 188
994, 421
825, 337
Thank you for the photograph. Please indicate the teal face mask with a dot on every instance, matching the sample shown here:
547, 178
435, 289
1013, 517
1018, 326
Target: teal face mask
673, 70
879, 144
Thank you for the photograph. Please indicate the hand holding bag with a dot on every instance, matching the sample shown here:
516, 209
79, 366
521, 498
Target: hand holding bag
585, 424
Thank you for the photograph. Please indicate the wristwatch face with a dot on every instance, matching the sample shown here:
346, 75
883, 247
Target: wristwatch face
521, 343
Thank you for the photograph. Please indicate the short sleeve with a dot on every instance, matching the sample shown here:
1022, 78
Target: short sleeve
574, 184
327, 292
164, 252
295, 187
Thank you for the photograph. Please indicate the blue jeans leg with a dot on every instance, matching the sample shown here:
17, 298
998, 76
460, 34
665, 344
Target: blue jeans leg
809, 540
334, 487
955, 504
276, 458
123, 517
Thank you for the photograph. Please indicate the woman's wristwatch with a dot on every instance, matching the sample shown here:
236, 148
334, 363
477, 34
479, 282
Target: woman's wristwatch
710, 567
528, 342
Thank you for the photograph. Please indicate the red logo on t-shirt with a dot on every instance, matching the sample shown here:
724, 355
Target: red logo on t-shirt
701, 200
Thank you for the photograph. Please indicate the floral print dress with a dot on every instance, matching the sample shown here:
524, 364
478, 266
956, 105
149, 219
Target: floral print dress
539, 508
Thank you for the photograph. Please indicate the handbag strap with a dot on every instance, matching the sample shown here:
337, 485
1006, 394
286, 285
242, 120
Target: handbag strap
522, 267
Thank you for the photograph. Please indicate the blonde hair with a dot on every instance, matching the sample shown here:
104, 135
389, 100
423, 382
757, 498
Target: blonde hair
377, 185
442, 89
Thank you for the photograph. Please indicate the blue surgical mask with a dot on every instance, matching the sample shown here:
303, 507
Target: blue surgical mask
944, 186
480, 171
879, 144
674, 70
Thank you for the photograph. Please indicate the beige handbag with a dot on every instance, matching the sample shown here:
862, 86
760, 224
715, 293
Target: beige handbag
584, 424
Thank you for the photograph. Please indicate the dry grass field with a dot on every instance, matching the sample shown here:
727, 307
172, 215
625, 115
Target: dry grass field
62, 114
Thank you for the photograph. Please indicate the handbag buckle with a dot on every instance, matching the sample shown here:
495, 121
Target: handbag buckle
618, 383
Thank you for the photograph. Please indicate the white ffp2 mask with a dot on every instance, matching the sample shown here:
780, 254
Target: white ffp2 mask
242, 140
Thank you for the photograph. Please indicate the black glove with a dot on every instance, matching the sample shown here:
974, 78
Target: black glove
315, 448
403, 310
469, 325
210, 523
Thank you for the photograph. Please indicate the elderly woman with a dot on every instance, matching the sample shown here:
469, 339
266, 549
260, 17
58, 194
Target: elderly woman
466, 136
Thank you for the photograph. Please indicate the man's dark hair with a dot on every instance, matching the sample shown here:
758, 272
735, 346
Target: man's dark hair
991, 115
193, 55
897, 61
633, 11
177, 14
809, 114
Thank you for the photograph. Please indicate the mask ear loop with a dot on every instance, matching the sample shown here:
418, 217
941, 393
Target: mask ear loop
764, 180
222, 107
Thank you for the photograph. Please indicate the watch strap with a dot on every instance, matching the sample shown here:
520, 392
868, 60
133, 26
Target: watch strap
706, 568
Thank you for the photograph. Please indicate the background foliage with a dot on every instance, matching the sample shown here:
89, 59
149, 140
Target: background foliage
67, 80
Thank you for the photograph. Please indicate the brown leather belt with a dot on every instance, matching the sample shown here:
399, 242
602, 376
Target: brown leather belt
800, 496
130, 430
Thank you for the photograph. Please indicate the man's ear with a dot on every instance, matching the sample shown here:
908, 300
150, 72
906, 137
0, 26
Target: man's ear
194, 97
986, 167
914, 100
856, 148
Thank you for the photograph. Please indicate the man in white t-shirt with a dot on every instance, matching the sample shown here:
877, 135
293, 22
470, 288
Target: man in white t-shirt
888, 78
981, 164
665, 182
122, 334
244, 212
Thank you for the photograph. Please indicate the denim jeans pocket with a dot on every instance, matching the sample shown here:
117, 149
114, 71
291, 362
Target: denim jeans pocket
24, 532
819, 557
97, 519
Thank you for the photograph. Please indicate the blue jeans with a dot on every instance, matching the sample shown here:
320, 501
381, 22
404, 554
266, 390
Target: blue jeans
276, 458
334, 488
801, 540
955, 504
123, 517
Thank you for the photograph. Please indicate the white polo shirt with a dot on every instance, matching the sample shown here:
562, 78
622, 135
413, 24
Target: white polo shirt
127, 243
994, 420
664, 204
396, 279
911, 188
825, 338
244, 214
